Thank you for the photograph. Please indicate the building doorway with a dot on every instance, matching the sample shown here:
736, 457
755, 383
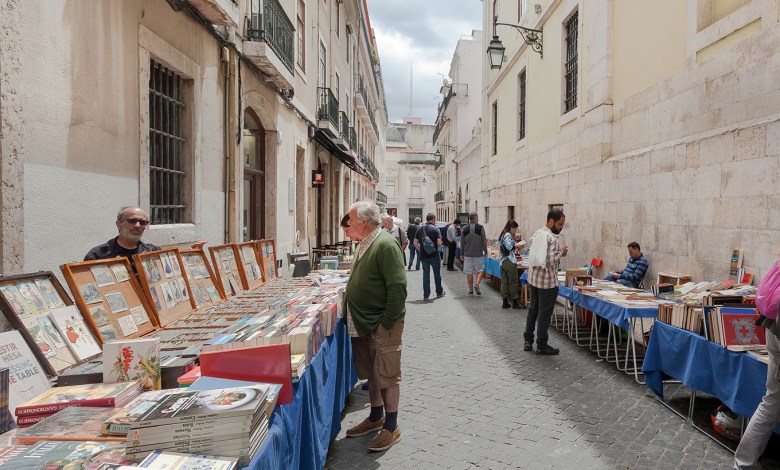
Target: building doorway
253, 206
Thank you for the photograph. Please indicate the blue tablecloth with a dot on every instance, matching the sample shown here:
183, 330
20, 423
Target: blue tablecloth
494, 269
737, 379
300, 432
615, 313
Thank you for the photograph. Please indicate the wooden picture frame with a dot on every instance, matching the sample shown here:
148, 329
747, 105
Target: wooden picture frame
31, 318
200, 273
226, 268
115, 321
165, 284
266, 250
251, 265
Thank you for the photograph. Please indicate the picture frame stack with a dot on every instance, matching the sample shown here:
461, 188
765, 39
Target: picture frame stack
110, 298
201, 277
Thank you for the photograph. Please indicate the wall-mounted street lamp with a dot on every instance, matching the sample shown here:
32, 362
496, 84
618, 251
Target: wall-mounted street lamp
448, 147
532, 37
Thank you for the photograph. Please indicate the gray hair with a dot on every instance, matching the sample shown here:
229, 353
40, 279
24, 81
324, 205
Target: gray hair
366, 211
386, 216
120, 215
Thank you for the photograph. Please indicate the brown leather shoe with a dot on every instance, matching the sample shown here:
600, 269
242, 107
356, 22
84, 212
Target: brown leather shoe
384, 440
364, 427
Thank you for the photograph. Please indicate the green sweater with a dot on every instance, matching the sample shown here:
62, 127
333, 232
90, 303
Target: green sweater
376, 291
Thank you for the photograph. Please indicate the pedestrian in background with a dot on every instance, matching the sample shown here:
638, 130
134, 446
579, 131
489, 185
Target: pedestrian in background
543, 284
452, 243
473, 249
508, 261
427, 240
410, 233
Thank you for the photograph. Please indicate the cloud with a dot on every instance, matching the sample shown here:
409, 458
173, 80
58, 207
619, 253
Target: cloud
419, 34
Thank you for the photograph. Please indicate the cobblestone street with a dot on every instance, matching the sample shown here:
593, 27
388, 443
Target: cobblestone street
471, 398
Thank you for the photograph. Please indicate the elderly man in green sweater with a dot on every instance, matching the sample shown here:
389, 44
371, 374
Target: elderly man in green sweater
376, 298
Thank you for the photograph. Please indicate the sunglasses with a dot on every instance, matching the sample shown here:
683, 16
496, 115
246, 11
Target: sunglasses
133, 221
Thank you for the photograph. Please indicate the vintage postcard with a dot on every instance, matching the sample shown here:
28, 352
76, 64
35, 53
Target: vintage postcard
120, 272
47, 290
174, 264
183, 288
116, 301
41, 340
51, 332
107, 332
127, 325
167, 269
155, 298
213, 293
152, 270
102, 275
15, 299
174, 286
33, 298
99, 315
139, 315
90, 293
170, 300
75, 331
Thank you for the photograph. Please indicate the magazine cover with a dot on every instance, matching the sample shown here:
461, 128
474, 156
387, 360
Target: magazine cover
162, 460
133, 359
118, 424
94, 395
184, 406
71, 424
67, 455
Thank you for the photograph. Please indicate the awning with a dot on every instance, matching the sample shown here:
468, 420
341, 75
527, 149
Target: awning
345, 158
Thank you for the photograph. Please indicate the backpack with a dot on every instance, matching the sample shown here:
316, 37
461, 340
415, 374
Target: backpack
427, 244
768, 293
465, 231
412, 231
444, 237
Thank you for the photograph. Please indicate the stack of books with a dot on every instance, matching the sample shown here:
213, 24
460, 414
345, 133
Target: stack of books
687, 317
71, 424
734, 328
298, 363
6, 418
87, 395
229, 422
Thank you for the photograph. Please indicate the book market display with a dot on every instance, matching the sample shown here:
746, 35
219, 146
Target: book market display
252, 346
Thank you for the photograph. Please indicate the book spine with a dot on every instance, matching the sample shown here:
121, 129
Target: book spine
236, 439
52, 408
28, 420
190, 429
193, 419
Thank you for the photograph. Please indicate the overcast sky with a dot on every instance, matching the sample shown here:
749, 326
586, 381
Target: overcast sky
421, 34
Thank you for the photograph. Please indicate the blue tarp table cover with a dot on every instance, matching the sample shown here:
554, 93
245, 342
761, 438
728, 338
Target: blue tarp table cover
494, 269
615, 313
737, 379
299, 433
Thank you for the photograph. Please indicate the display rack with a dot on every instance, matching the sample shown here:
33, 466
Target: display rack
267, 250
165, 284
226, 268
200, 273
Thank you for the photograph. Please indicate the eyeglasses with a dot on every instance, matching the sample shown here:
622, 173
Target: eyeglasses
133, 221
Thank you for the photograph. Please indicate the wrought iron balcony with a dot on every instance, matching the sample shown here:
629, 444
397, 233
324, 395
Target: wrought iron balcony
270, 28
220, 12
328, 113
438, 197
342, 140
353, 139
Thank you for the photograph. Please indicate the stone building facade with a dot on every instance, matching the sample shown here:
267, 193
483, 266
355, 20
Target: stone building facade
210, 114
649, 122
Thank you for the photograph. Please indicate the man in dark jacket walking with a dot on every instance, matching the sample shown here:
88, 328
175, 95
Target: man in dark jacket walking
410, 233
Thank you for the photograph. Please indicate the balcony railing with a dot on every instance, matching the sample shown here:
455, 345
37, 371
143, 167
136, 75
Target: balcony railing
344, 127
329, 107
438, 197
352, 139
272, 26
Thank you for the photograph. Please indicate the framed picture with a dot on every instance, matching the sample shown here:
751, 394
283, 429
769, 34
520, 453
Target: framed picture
227, 270
30, 315
169, 294
267, 251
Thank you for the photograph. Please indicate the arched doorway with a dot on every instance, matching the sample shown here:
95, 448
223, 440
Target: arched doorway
253, 207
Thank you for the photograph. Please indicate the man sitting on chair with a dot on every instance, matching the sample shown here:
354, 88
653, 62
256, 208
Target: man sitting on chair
634, 271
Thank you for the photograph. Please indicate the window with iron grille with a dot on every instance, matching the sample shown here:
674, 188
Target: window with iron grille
167, 162
570, 67
301, 32
521, 106
495, 127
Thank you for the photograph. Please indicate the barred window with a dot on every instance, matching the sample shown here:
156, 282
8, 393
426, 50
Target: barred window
570, 71
521, 106
166, 146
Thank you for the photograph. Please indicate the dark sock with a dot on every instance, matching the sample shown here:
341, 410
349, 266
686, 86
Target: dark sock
376, 413
391, 421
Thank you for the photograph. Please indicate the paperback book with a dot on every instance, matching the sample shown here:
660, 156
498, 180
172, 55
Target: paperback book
133, 359
164, 460
67, 455
70, 424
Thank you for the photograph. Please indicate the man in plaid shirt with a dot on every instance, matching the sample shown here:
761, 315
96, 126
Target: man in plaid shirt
543, 284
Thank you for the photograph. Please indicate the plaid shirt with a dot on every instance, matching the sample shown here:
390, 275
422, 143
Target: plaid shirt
547, 277
361, 248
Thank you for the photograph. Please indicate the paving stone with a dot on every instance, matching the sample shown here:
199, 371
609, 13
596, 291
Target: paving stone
471, 398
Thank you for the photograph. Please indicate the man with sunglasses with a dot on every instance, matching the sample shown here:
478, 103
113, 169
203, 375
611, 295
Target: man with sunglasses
131, 222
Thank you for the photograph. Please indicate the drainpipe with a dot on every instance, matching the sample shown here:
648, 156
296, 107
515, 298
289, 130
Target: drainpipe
226, 139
